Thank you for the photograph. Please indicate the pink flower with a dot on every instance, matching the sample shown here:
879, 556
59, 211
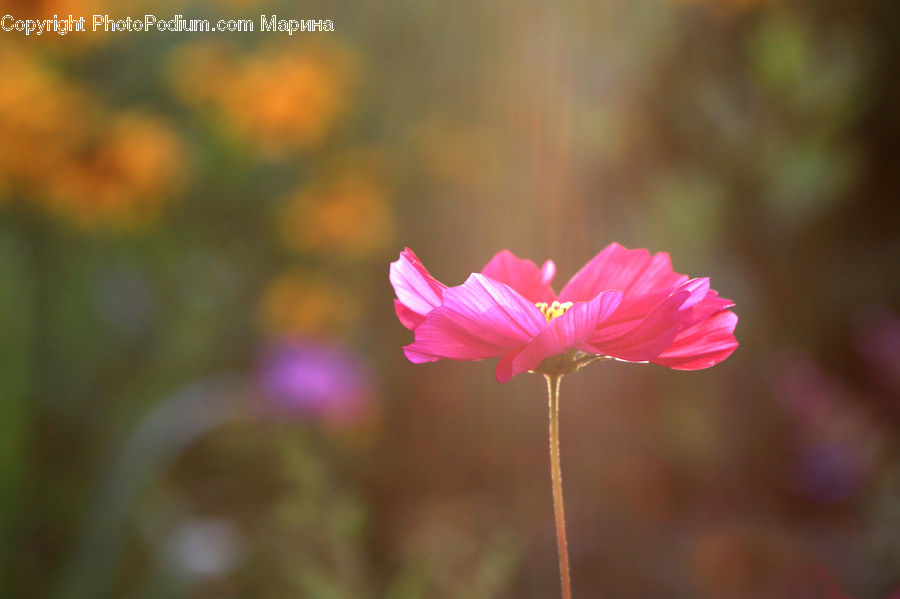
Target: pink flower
624, 304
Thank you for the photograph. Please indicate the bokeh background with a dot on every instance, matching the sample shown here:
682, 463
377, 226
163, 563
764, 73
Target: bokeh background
202, 389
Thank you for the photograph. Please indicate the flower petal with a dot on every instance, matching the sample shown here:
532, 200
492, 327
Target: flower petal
416, 289
711, 304
407, 317
548, 271
703, 345
522, 275
571, 330
482, 318
644, 279
644, 339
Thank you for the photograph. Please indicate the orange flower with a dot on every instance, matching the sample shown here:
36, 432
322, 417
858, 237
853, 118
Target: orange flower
279, 99
124, 177
65, 155
301, 304
41, 121
349, 216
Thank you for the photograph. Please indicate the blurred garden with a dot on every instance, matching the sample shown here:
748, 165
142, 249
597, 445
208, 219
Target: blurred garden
203, 392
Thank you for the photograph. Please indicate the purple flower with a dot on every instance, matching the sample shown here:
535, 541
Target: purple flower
878, 343
835, 442
316, 380
830, 472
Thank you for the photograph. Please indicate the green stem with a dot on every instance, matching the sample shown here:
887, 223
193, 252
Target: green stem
556, 478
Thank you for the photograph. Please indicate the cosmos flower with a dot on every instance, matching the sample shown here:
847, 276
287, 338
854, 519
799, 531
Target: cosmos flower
623, 304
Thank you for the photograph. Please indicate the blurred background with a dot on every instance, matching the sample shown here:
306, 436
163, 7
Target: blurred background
202, 389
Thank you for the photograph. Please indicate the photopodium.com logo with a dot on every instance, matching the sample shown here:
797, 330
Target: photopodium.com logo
179, 24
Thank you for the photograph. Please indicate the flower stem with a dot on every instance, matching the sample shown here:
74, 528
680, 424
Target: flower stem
556, 478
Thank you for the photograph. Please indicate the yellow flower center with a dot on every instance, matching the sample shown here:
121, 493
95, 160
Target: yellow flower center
551, 311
